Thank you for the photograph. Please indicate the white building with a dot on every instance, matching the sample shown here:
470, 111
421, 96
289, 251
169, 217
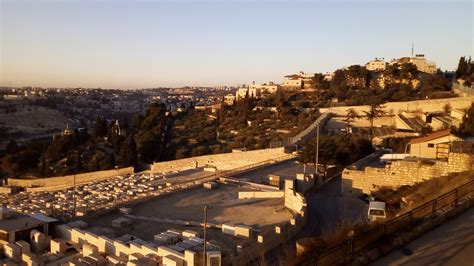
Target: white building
269, 87
229, 99
377, 64
251, 92
298, 81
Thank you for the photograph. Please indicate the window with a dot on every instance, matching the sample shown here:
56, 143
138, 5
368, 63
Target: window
377, 212
430, 145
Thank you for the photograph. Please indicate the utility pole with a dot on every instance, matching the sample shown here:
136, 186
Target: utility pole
206, 208
317, 149
74, 195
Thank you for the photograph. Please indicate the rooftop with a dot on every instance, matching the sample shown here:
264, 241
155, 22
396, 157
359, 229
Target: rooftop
432, 136
18, 222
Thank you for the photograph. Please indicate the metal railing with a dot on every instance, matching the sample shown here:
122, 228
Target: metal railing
345, 251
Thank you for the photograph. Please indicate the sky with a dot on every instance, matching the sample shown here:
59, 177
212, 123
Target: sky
144, 44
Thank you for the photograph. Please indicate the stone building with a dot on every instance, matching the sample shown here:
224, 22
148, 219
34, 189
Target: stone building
433, 145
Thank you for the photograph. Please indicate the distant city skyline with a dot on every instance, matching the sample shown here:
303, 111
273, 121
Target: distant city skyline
145, 44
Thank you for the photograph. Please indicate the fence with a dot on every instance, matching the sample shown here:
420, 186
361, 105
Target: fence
344, 252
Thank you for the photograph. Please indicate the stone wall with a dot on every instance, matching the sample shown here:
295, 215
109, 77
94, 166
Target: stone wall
224, 161
404, 172
260, 194
60, 182
397, 107
5, 190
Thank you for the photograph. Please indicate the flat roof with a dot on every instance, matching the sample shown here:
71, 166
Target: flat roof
18, 222
42, 217
394, 156
379, 205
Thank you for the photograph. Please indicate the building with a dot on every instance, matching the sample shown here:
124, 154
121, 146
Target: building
268, 88
377, 64
419, 61
293, 81
229, 99
67, 131
433, 145
247, 91
15, 226
298, 81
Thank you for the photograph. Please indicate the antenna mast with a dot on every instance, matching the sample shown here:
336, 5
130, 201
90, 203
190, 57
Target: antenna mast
412, 48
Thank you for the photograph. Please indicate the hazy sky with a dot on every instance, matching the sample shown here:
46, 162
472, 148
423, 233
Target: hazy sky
135, 44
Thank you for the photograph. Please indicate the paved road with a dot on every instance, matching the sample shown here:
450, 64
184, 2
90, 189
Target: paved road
452, 243
327, 209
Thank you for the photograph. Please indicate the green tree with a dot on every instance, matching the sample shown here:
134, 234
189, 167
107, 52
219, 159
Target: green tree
463, 68
375, 111
101, 128
467, 125
128, 152
351, 116
12, 147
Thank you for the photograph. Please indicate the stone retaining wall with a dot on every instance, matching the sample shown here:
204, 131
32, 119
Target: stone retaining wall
68, 180
224, 161
433, 105
260, 194
356, 182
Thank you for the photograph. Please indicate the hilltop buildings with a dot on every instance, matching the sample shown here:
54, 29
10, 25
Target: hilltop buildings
378, 64
419, 60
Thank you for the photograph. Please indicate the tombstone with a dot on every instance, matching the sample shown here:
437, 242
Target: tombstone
25, 246
12, 250
89, 249
58, 246
38, 241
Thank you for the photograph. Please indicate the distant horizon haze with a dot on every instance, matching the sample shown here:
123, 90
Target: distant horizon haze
150, 44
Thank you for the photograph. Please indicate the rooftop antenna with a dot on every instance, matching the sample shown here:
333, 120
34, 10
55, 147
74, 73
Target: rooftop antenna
412, 48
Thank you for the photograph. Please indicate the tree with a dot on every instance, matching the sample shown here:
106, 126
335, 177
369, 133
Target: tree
463, 68
447, 109
351, 116
44, 166
375, 111
12, 147
128, 152
467, 126
339, 150
101, 128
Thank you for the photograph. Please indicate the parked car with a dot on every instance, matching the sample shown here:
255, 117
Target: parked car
376, 211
